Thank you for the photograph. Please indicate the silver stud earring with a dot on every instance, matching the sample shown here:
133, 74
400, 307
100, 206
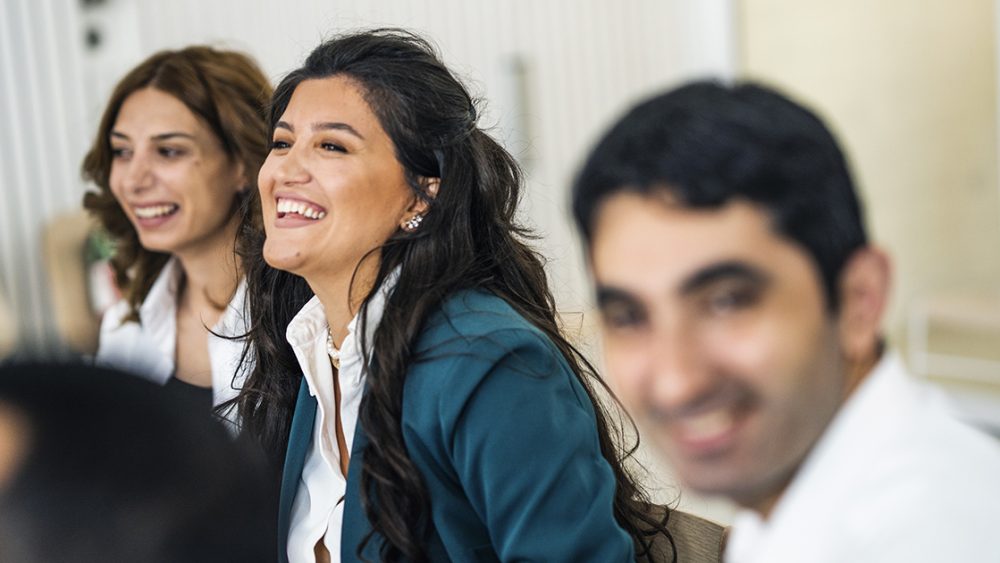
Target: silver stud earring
413, 223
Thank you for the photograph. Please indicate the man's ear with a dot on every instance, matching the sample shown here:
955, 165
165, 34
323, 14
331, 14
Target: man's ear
864, 294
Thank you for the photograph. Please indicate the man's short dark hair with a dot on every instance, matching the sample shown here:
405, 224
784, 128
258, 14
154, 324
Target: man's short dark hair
707, 144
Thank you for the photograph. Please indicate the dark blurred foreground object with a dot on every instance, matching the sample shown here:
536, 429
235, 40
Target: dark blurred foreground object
97, 465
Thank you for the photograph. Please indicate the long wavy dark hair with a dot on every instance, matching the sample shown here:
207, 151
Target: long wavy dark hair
470, 238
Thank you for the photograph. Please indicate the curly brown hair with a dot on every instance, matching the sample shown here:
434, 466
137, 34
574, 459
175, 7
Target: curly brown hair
225, 89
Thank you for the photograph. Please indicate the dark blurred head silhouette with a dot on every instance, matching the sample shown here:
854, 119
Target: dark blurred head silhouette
98, 465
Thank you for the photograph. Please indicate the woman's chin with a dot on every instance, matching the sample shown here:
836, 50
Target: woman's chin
283, 257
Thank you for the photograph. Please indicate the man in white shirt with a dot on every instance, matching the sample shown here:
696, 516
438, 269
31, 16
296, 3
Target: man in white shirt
741, 305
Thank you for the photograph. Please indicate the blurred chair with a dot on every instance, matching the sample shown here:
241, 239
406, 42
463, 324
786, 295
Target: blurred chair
8, 327
65, 244
953, 341
695, 539
979, 312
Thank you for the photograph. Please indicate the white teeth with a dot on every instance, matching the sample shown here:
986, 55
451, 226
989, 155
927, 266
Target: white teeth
299, 208
153, 211
707, 425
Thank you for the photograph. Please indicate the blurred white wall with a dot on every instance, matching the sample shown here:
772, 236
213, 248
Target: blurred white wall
553, 73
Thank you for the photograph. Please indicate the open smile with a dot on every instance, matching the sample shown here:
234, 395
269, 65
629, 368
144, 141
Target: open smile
289, 208
708, 429
155, 211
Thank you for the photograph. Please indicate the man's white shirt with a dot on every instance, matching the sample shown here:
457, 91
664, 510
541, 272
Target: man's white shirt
893, 479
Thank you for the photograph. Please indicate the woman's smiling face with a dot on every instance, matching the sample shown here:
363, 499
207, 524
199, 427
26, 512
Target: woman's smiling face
171, 175
331, 188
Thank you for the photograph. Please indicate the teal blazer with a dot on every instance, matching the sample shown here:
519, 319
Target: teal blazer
505, 439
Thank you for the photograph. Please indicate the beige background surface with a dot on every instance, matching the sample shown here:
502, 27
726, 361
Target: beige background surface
910, 86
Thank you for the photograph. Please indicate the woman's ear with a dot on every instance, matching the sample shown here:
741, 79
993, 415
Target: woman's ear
239, 178
864, 296
419, 206
431, 186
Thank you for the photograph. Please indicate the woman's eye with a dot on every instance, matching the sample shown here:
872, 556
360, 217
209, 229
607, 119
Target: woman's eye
170, 152
118, 153
279, 145
333, 147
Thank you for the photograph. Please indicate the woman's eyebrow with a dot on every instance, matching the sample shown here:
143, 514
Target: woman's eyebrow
172, 134
337, 126
323, 126
157, 137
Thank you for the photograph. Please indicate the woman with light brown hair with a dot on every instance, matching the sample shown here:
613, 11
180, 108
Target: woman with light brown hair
176, 153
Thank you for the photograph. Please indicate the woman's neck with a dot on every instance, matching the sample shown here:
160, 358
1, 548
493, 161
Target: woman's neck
211, 274
342, 294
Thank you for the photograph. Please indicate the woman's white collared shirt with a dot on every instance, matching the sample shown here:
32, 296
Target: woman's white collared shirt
148, 348
318, 509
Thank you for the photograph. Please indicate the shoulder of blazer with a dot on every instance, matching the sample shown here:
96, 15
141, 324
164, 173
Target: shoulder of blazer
476, 341
468, 315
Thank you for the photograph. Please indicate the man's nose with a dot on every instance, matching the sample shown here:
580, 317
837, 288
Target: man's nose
680, 377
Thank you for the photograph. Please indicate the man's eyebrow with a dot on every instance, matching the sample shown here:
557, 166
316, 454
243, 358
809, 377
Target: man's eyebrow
720, 271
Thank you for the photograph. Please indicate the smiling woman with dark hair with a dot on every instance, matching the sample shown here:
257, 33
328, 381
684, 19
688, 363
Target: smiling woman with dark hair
409, 370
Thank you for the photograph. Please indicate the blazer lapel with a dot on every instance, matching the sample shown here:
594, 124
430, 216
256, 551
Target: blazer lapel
355, 525
299, 440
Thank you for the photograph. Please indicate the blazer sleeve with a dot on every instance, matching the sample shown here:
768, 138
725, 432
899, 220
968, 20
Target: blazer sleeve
524, 446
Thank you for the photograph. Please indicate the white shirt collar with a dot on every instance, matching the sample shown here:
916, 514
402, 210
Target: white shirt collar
309, 329
149, 346
158, 311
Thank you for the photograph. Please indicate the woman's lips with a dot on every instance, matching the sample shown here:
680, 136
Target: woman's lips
155, 210
153, 215
292, 212
305, 209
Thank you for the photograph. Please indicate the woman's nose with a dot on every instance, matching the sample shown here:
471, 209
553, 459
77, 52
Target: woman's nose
138, 175
290, 169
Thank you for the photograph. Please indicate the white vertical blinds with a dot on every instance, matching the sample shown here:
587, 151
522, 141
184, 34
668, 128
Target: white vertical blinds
42, 138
